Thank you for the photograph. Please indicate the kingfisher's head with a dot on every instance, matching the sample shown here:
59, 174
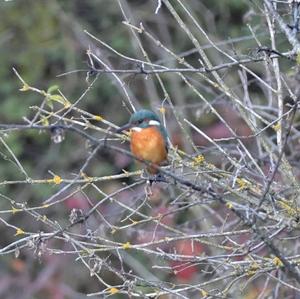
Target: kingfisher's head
140, 120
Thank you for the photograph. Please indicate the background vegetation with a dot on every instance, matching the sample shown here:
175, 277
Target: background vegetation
77, 214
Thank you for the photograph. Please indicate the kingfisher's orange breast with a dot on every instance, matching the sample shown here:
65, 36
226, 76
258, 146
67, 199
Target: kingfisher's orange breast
149, 145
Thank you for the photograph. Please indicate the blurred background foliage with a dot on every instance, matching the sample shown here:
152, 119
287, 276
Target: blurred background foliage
43, 39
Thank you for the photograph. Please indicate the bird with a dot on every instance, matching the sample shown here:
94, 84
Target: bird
148, 138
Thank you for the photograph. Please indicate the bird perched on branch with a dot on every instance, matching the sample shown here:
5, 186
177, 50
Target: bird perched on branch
148, 138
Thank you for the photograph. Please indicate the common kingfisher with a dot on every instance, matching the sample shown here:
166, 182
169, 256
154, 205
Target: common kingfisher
148, 138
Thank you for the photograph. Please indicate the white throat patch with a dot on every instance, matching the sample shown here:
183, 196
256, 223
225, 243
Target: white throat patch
137, 129
154, 123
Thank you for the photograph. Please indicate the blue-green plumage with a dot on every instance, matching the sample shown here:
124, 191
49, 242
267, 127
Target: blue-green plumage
141, 119
148, 139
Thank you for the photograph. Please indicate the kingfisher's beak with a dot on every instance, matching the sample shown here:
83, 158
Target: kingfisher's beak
124, 128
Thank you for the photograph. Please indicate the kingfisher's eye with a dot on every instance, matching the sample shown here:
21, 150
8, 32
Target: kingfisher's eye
140, 121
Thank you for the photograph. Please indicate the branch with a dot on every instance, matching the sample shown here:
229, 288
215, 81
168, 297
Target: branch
289, 33
142, 71
214, 194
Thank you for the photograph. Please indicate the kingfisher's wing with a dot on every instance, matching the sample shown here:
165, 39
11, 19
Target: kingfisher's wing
164, 132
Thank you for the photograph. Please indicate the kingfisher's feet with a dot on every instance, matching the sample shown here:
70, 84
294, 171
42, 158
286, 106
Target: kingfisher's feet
154, 178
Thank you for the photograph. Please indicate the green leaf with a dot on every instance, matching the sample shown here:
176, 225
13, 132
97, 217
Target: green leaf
59, 99
298, 58
52, 88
